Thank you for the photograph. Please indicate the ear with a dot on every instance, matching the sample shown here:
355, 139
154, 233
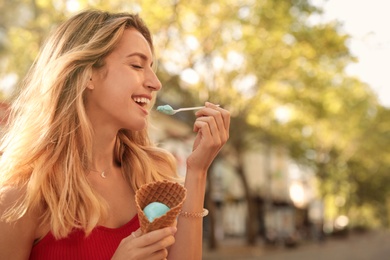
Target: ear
90, 83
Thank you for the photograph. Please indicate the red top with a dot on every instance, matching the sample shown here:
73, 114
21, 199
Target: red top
100, 244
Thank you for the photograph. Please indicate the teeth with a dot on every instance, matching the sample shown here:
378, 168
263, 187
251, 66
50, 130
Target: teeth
141, 100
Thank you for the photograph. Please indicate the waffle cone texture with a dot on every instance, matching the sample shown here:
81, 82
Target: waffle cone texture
169, 193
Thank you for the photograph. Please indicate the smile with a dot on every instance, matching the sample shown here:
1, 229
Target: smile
141, 100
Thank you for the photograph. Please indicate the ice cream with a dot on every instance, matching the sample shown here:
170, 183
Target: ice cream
166, 109
155, 210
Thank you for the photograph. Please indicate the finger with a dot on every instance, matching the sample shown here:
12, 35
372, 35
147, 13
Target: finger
162, 244
158, 250
216, 126
161, 254
203, 129
208, 127
174, 223
136, 233
153, 241
205, 140
216, 114
224, 113
156, 235
221, 116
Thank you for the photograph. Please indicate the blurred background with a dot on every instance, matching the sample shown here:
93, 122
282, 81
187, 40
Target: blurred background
306, 170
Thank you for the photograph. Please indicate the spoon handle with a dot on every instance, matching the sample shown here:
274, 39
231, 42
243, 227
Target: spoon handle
190, 108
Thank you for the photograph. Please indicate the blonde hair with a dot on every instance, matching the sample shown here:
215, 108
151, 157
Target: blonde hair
47, 148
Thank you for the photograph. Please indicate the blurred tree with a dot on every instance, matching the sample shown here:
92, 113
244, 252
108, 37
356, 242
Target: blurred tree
23, 27
282, 77
262, 59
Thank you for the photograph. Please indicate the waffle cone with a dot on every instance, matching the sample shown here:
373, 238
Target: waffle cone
169, 193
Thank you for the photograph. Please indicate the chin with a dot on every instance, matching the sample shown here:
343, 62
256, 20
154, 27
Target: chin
139, 126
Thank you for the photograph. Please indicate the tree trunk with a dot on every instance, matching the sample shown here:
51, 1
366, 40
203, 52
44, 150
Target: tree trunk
251, 224
212, 241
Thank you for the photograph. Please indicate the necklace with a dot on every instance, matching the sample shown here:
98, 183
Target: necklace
102, 173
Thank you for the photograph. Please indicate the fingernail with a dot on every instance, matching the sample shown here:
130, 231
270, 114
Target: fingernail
173, 230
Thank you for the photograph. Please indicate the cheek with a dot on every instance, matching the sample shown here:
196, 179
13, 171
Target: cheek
116, 86
119, 84
116, 97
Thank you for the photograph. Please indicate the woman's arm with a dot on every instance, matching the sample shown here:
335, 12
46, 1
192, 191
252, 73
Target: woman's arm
16, 238
212, 126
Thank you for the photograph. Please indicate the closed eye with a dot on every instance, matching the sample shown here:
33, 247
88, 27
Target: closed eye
137, 66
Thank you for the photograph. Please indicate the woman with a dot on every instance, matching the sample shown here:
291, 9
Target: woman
77, 149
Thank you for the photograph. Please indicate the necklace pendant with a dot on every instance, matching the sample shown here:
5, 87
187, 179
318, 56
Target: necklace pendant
103, 175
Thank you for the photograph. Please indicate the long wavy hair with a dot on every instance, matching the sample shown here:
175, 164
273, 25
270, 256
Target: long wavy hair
47, 147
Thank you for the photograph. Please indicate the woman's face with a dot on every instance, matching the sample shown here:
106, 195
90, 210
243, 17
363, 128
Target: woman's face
119, 92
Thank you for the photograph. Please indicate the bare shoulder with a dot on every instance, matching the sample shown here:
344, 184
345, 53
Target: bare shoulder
16, 237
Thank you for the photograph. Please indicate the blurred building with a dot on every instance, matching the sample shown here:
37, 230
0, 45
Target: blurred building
285, 193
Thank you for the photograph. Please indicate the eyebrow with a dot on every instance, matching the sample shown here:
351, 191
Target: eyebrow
141, 55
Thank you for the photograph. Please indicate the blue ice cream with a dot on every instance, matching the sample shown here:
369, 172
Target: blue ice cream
166, 109
155, 210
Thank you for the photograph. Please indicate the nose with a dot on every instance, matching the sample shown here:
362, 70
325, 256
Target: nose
152, 81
